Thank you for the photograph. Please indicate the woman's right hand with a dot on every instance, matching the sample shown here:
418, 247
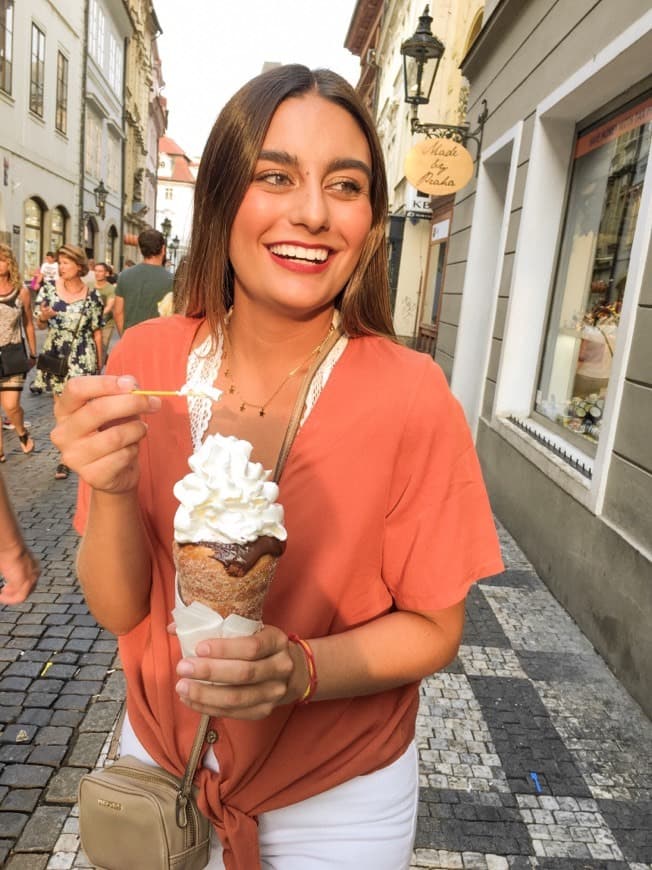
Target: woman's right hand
98, 430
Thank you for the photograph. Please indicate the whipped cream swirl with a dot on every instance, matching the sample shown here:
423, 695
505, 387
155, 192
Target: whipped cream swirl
226, 498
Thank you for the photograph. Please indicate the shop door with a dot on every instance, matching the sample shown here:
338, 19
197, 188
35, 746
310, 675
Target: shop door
433, 284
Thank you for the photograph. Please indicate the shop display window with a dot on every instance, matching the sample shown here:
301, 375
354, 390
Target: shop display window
609, 164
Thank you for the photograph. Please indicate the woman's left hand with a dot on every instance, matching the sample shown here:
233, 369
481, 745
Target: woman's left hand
243, 677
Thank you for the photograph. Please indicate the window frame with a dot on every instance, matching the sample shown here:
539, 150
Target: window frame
583, 129
61, 110
37, 66
6, 46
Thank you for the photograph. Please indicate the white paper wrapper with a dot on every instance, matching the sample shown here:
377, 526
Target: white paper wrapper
196, 622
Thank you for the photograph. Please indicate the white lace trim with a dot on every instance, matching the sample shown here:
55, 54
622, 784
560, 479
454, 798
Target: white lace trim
322, 375
204, 366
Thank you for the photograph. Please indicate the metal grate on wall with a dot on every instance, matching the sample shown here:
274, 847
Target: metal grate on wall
553, 447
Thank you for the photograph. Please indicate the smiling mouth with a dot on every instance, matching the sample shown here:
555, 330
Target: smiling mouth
300, 254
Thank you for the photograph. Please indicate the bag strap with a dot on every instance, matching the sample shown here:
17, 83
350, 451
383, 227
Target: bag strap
291, 431
297, 413
81, 317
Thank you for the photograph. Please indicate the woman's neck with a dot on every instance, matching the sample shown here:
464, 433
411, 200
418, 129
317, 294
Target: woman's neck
263, 338
5, 285
73, 285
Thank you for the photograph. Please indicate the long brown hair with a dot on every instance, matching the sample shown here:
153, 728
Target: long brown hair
225, 172
7, 254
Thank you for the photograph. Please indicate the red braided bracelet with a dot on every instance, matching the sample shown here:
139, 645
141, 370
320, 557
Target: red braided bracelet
311, 688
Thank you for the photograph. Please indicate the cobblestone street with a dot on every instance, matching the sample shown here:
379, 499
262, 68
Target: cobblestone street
532, 754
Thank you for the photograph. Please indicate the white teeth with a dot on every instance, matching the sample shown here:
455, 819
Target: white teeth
314, 255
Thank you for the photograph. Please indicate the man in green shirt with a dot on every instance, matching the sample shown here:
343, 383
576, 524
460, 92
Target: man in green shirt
140, 288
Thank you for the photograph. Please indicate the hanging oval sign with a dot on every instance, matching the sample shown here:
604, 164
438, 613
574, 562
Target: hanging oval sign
438, 166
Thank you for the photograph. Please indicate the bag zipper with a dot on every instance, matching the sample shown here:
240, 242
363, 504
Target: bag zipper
183, 818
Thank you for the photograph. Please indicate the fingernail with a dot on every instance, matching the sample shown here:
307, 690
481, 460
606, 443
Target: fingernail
202, 649
182, 687
185, 668
154, 402
127, 382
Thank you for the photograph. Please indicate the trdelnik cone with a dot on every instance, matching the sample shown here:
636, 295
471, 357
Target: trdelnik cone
228, 529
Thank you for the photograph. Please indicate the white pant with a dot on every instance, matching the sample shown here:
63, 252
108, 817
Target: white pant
369, 821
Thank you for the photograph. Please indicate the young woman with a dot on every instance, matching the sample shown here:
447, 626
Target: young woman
387, 517
72, 315
106, 289
15, 318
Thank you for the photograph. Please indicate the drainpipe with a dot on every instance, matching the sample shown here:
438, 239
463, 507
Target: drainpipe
123, 174
82, 131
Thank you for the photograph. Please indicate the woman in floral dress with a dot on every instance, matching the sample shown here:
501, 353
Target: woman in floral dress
72, 315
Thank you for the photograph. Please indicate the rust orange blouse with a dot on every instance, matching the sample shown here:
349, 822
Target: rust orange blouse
385, 508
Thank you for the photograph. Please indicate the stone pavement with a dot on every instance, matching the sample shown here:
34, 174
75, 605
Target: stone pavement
532, 754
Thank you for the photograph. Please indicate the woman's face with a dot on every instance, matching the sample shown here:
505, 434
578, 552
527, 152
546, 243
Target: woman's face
4, 267
68, 269
301, 226
100, 274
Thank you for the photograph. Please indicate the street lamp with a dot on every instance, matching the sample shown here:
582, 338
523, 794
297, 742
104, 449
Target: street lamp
166, 227
422, 53
100, 193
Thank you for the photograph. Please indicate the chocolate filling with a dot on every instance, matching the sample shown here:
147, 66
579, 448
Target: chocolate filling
240, 558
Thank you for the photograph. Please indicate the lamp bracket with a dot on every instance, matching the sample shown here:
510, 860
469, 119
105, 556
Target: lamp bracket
458, 133
92, 214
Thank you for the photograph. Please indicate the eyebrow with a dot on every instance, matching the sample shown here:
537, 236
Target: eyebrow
286, 159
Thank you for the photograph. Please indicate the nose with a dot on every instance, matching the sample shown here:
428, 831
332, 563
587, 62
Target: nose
310, 207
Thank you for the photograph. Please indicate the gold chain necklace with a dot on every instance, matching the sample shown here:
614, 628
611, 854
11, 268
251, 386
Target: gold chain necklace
244, 404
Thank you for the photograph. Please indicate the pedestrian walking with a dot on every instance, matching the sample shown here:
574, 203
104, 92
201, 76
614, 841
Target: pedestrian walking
50, 268
312, 758
140, 288
72, 315
15, 319
19, 570
106, 289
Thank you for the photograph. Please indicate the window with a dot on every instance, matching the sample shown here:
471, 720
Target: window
61, 117
169, 192
37, 71
57, 229
115, 64
6, 44
33, 236
93, 149
96, 32
113, 164
609, 166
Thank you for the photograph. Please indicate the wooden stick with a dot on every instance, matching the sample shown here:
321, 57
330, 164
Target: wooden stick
157, 393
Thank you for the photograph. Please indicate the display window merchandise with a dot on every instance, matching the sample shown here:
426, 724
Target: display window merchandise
609, 163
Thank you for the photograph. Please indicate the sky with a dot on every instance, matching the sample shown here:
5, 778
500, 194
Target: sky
209, 48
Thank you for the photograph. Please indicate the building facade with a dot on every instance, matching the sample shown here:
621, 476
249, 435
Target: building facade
108, 31
418, 229
176, 189
145, 120
41, 71
547, 336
